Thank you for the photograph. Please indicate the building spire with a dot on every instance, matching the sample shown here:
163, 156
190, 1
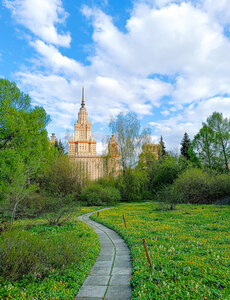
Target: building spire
82, 98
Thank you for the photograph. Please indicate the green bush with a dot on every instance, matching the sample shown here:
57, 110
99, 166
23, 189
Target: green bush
133, 185
23, 253
99, 195
166, 171
167, 198
197, 186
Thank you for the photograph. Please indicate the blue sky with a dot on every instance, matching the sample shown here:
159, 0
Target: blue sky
168, 61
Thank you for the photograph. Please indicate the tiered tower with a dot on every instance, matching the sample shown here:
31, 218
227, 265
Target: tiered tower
82, 148
82, 144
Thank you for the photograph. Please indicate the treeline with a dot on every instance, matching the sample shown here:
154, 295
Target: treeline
37, 178
198, 174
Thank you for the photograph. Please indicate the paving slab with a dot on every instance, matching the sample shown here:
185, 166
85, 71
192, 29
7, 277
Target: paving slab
118, 293
109, 278
119, 280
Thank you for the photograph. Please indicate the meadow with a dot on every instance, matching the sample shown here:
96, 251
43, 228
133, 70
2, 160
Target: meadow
39, 261
189, 248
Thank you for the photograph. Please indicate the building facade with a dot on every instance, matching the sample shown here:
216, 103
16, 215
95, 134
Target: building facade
153, 148
83, 151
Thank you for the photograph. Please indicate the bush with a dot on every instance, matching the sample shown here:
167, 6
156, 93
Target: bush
166, 171
63, 178
133, 185
197, 186
22, 253
99, 195
168, 198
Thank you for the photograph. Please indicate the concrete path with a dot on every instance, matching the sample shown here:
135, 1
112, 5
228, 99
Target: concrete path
110, 276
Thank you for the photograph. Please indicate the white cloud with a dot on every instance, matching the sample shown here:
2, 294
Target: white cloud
53, 58
173, 56
190, 119
220, 10
165, 113
40, 17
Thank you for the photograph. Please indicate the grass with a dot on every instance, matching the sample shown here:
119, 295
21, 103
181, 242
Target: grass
75, 238
189, 248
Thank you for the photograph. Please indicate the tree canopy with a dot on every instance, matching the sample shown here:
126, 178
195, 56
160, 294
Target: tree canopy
185, 145
24, 146
211, 145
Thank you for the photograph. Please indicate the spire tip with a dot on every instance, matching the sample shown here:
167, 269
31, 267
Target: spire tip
83, 97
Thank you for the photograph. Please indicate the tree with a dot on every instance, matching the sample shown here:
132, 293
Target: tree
185, 145
130, 137
60, 147
221, 130
63, 178
162, 149
202, 146
211, 145
24, 147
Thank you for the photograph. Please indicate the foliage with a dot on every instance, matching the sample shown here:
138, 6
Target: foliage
197, 186
165, 172
24, 147
188, 247
168, 198
46, 262
185, 145
162, 149
212, 144
130, 137
60, 147
133, 185
96, 194
63, 177
221, 130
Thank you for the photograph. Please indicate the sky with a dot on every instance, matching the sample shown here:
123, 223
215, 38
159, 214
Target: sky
166, 60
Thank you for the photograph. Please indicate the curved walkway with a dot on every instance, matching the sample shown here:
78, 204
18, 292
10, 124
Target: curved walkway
110, 276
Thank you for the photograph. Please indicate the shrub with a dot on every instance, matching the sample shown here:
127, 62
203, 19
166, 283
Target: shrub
63, 178
133, 185
22, 253
99, 195
197, 186
166, 171
168, 197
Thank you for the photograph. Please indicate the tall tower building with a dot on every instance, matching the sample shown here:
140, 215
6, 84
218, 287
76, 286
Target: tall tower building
82, 149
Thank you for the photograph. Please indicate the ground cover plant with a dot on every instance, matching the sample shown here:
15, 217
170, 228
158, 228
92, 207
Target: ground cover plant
39, 261
189, 248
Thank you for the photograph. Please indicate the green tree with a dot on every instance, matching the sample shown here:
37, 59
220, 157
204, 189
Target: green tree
60, 147
162, 149
211, 146
24, 147
185, 145
221, 130
203, 147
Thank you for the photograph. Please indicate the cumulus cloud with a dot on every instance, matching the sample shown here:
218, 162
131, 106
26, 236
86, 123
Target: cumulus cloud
40, 17
220, 10
190, 119
172, 57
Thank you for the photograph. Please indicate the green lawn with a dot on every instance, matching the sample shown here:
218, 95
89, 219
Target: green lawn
77, 239
189, 248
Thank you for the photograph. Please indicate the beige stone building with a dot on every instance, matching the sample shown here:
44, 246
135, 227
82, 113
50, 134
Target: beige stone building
53, 139
82, 149
153, 148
